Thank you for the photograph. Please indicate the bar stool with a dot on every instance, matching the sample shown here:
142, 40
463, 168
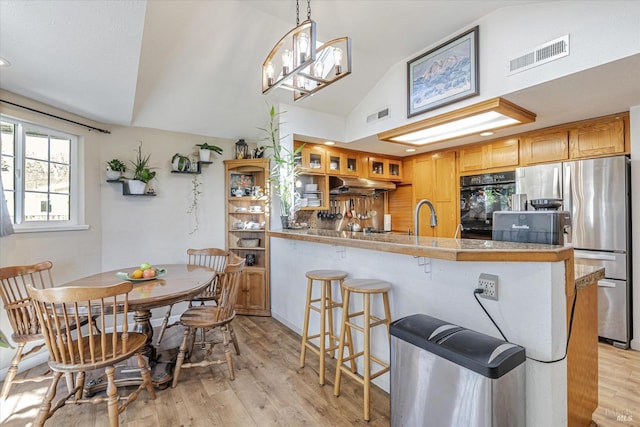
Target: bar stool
325, 306
367, 288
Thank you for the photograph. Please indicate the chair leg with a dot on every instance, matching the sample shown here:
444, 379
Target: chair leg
146, 375
180, 359
79, 384
13, 370
227, 351
343, 331
164, 326
43, 413
234, 339
112, 396
367, 355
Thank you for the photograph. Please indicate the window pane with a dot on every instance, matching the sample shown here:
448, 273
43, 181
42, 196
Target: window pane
33, 207
7, 138
59, 180
35, 176
60, 150
7, 170
37, 146
9, 196
59, 207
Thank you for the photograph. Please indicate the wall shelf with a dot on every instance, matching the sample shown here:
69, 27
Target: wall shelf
125, 188
198, 171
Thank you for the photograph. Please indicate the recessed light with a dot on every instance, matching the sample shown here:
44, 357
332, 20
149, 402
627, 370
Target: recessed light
329, 143
486, 133
4, 62
410, 150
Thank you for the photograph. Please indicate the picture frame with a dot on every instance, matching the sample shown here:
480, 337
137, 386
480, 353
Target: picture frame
446, 74
243, 182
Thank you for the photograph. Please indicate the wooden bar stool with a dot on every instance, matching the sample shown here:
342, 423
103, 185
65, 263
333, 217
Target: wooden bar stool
367, 288
325, 306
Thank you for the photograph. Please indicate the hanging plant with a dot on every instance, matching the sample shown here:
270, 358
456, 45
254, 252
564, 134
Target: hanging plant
193, 206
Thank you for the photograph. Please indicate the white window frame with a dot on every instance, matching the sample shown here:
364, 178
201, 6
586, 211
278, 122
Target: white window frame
76, 198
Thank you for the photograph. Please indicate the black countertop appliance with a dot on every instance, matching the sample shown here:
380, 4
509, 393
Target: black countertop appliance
546, 227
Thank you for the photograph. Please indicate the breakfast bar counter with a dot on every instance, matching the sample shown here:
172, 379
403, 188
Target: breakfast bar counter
437, 276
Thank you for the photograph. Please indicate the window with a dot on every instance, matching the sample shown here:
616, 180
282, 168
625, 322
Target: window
39, 175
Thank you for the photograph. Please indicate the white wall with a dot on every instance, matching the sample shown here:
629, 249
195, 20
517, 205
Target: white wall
596, 30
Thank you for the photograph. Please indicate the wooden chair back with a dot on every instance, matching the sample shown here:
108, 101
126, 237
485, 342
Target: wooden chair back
17, 303
228, 284
59, 309
210, 257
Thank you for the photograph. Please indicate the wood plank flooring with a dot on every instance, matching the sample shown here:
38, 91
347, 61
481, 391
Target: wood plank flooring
270, 390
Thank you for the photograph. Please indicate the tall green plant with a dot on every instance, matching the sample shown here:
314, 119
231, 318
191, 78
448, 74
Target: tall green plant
284, 172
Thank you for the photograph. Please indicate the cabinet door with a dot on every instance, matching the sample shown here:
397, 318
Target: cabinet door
350, 164
597, 139
312, 158
333, 162
252, 296
500, 154
378, 168
472, 159
395, 170
545, 147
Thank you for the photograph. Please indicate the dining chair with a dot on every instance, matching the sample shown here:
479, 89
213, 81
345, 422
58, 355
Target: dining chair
213, 258
87, 349
209, 318
22, 318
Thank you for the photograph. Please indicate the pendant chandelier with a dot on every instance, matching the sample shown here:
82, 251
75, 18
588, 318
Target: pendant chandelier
297, 64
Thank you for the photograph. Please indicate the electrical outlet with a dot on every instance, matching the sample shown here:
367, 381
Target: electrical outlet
489, 283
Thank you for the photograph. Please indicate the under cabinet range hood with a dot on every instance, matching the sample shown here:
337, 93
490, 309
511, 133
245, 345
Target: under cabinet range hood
358, 186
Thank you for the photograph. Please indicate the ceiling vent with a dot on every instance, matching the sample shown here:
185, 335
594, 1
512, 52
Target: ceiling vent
550, 51
378, 115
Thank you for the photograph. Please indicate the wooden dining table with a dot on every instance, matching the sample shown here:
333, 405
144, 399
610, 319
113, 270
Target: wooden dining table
180, 282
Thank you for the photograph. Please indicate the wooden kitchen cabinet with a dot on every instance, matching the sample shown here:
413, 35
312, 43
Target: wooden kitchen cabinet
322, 193
312, 158
247, 221
434, 178
603, 138
334, 162
384, 168
350, 163
493, 155
544, 147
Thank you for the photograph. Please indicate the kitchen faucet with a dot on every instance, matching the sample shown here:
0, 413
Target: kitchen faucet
416, 216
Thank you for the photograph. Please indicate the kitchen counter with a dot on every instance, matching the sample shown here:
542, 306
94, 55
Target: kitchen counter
433, 247
437, 277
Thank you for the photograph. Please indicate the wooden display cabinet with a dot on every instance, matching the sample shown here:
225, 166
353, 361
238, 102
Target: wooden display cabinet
384, 168
350, 164
247, 213
312, 158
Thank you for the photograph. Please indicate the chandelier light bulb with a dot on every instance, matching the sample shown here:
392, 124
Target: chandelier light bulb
318, 68
270, 72
303, 46
286, 61
337, 57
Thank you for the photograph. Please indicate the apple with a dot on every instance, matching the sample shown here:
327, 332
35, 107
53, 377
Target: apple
149, 273
145, 266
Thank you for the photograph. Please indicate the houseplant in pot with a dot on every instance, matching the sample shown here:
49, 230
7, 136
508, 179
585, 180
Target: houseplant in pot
142, 173
115, 169
283, 172
206, 149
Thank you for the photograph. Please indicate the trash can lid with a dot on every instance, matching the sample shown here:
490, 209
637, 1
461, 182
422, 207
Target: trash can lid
483, 354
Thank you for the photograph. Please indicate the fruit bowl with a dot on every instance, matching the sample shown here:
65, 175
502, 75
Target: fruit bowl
125, 276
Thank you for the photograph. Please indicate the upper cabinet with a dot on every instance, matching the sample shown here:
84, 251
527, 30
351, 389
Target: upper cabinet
493, 155
351, 163
544, 147
312, 158
384, 168
597, 139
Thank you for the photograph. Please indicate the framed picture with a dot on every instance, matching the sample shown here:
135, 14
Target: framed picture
240, 184
446, 74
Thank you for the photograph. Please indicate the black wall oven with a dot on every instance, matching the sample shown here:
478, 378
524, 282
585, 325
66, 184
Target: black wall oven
480, 196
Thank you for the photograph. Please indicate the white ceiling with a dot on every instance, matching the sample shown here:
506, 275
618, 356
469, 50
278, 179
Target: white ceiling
194, 66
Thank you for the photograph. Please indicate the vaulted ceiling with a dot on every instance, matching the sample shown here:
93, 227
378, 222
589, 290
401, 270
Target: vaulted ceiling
194, 66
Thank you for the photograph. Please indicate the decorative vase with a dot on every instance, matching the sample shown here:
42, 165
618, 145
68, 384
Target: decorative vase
285, 221
136, 186
113, 175
205, 155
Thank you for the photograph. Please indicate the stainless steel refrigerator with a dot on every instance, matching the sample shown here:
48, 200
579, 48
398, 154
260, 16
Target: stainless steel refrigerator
597, 194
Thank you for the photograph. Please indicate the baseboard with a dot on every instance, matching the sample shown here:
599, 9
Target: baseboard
635, 344
43, 355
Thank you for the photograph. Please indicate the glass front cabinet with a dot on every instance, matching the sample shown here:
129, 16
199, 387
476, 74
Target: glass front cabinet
247, 216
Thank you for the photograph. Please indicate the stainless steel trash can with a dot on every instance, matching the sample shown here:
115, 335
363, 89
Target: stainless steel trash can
445, 375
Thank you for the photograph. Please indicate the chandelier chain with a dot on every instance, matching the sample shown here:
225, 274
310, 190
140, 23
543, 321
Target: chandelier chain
308, 9
297, 14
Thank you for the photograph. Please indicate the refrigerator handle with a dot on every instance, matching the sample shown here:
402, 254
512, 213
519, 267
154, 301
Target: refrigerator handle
567, 199
598, 256
606, 284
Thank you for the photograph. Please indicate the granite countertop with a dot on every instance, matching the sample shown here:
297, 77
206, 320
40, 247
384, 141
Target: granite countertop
433, 247
586, 275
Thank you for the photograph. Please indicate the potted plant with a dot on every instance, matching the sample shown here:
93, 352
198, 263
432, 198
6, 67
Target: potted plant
206, 149
284, 172
115, 169
142, 173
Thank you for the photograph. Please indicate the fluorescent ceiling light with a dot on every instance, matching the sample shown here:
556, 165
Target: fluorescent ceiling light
491, 114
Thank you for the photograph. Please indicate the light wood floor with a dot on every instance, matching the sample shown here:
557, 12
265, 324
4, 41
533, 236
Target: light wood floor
270, 390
